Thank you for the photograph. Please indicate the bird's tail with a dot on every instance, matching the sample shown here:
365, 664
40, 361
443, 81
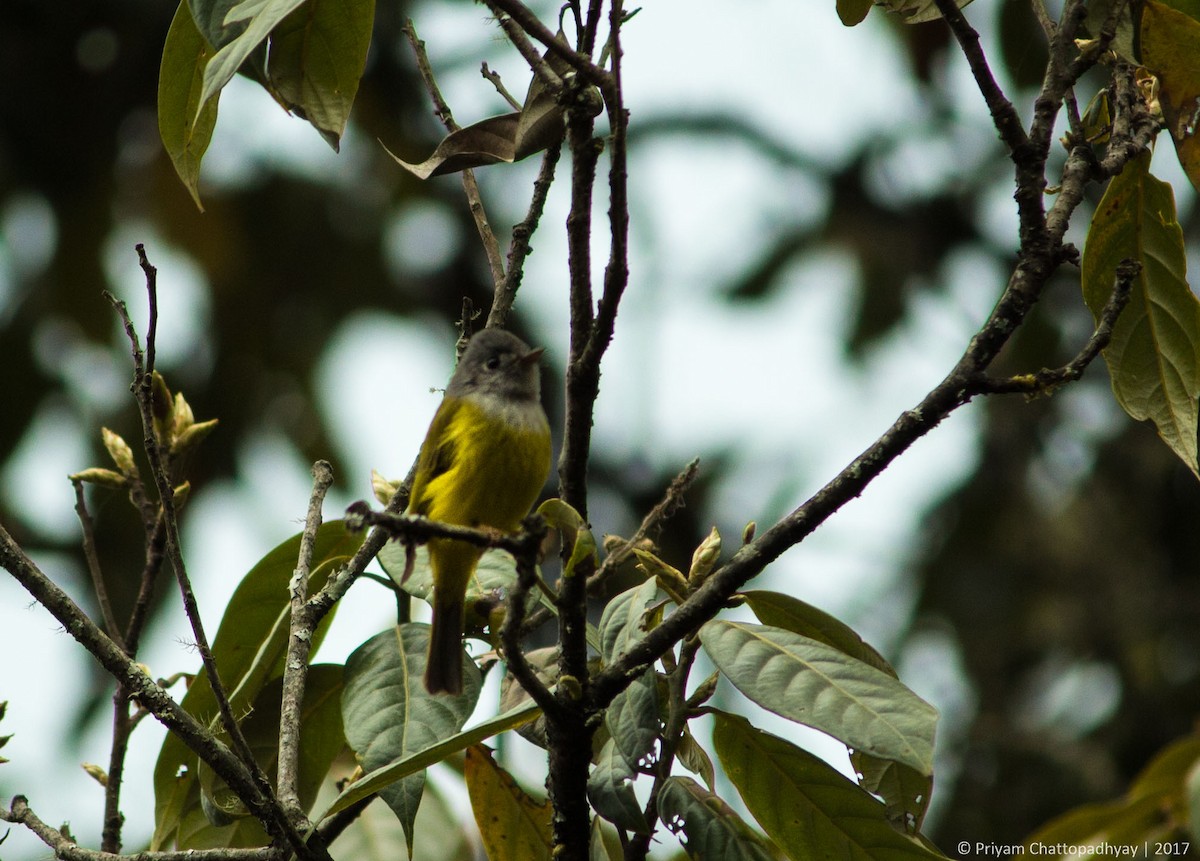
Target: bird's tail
443, 668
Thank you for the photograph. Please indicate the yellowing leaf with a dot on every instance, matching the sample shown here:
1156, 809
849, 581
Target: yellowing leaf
1154, 356
513, 826
1169, 40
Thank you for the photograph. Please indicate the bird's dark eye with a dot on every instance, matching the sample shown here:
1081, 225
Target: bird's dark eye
492, 363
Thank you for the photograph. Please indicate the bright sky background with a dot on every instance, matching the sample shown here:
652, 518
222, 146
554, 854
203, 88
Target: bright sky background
766, 380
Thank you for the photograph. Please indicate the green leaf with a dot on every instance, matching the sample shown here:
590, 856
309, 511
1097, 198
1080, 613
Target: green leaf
211, 17
495, 572
1154, 356
711, 827
321, 740
1158, 801
249, 650
316, 60
792, 614
819, 686
574, 530
512, 825
695, 759
185, 127
389, 715
605, 844
610, 789
804, 804
1169, 39
624, 619
380, 778
905, 791
632, 719
377, 835
1167, 772
261, 17
1122, 823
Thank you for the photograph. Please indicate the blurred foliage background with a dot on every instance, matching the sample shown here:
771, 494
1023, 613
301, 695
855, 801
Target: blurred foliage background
1060, 575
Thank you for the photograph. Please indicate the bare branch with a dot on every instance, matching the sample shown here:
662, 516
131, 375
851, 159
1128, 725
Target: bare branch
1046, 380
519, 247
93, 562
295, 667
65, 847
487, 236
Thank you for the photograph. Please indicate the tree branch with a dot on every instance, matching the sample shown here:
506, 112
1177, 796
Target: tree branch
519, 248
129, 674
66, 848
1047, 380
295, 666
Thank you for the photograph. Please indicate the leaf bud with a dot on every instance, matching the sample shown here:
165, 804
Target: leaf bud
119, 451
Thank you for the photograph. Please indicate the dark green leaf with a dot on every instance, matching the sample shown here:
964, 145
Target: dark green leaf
321, 740
1154, 356
695, 759
211, 19
316, 60
804, 804
822, 687
905, 791
632, 719
377, 780
623, 621
249, 649
852, 12
388, 714
260, 18
610, 789
185, 129
711, 828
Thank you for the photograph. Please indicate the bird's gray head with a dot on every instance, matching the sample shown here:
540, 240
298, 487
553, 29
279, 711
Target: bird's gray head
497, 364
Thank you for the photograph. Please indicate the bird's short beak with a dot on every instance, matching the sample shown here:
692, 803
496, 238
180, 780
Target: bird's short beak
532, 356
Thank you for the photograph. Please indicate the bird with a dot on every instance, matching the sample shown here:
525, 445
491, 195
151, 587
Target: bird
484, 461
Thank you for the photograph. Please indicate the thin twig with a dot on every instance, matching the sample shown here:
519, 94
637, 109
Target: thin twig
93, 562
156, 545
678, 713
524, 21
487, 236
498, 83
1047, 380
514, 618
295, 667
275, 820
519, 247
128, 673
671, 502
1004, 115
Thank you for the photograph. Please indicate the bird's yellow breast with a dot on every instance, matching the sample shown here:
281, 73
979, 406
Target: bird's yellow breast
498, 461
